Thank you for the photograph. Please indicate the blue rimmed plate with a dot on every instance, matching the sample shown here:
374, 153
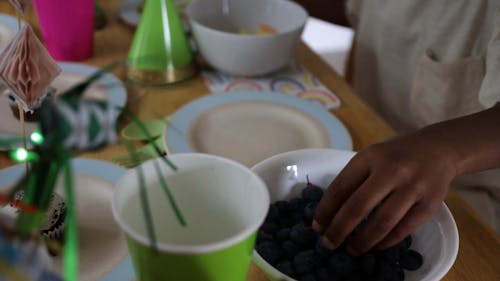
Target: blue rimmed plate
8, 29
249, 126
108, 87
130, 12
102, 243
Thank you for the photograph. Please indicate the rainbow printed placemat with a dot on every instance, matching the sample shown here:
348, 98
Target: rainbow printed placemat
294, 80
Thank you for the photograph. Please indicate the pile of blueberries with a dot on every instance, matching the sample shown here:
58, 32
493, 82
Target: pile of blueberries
288, 243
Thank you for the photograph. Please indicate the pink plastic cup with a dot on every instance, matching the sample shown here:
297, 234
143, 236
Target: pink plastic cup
67, 28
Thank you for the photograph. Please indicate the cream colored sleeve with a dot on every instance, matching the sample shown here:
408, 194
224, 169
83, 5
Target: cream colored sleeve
489, 93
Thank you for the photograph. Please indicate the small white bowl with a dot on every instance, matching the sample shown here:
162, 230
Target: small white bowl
217, 25
285, 176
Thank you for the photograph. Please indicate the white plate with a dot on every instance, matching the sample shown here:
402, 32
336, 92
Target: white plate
285, 175
129, 12
101, 242
108, 87
249, 126
8, 29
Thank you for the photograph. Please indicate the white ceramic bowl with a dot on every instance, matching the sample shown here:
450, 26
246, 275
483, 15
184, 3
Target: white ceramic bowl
285, 176
216, 26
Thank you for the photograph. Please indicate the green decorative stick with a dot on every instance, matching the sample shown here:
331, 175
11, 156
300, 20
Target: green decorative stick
150, 139
163, 183
143, 193
71, 228
170, 196
62, 127
40, 184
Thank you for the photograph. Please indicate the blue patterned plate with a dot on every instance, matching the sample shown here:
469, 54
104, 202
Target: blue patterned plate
250, 126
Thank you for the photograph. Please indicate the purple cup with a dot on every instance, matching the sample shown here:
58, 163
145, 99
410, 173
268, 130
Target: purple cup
67, 28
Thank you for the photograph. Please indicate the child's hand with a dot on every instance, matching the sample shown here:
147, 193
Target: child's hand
403, 181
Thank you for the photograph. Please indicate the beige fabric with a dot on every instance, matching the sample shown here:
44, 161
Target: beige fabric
420, 62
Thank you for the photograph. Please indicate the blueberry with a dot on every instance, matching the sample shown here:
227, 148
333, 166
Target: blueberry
321, 249
312, 193
270, 251
273, 214
305, 262
287, 221
290, 249
283, 234
308, 277
354, 277
388, 272
288, 243
391, 254
286, 268
269, 227
297, 215
309, 211
263, 236
400, 274
302, 235
367, 264
342, 263
297, 204
406, 243
323, 274
411, 260
282, 206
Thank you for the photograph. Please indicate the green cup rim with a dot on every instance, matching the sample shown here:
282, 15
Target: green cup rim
194, 249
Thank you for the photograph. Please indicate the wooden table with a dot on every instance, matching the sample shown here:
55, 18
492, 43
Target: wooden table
479, 253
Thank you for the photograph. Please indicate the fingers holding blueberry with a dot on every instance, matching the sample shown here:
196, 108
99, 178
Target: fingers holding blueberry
345, 184
289, 243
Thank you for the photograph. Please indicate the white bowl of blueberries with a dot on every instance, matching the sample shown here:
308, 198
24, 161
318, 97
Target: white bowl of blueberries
287, 249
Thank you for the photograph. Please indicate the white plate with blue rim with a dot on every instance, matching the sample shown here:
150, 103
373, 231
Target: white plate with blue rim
130, 12
102, 244
8, 29
249, 126
107, 88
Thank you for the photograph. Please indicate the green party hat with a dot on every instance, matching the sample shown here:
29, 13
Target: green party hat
160, 52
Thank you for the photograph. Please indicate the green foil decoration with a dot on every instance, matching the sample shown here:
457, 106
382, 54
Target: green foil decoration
57, 138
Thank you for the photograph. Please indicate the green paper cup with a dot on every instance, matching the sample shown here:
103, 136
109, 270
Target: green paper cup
223, 204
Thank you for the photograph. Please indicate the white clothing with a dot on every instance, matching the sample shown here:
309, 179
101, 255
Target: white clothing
420, 62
